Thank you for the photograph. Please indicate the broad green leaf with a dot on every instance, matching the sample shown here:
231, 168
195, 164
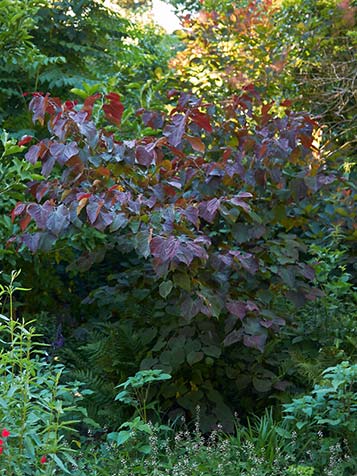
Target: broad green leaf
165, 288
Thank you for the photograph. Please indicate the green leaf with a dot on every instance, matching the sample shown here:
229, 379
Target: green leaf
29, 446
262, 385
212, 351
59, 463
120, 437
80, 92
165, 288
145, 449
142, 243
182, 280
193, 357
300, 424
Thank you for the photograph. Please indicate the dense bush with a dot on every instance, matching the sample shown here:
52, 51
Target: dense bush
304, 50
17, 19
58, 45
33, 404
13, 175
198, 236
332, 405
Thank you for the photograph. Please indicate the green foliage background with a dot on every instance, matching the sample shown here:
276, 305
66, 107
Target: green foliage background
58, 45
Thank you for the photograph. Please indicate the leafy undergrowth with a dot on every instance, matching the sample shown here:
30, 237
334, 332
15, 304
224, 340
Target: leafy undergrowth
42, 424
264, 448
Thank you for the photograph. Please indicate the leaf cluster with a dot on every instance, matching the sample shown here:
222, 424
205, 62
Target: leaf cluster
230, 45
206, 214
330, 407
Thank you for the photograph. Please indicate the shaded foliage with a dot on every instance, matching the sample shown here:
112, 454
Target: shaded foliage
61, 44
322, 61
206, 217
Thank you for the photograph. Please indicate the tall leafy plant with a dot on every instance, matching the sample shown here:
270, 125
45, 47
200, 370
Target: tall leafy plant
35, 406
205, 215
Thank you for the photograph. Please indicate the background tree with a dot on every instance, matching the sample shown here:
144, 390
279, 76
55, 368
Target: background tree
62, 44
